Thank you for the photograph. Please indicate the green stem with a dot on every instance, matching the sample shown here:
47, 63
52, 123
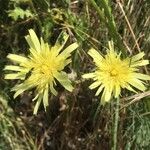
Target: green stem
37, 16
100, 13
115, 132
96, 113
108, 19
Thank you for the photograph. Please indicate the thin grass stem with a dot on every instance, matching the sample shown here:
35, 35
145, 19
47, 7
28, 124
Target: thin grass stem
107, 18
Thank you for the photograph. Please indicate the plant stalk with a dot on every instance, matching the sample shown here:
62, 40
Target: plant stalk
115, 132
108, 19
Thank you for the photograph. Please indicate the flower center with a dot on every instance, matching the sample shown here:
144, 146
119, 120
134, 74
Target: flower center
45, 69
113, 72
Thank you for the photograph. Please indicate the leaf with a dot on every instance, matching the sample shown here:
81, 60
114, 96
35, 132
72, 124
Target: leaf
17, 13
3, 99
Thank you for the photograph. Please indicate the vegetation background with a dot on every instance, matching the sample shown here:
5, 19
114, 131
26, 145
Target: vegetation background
74, 121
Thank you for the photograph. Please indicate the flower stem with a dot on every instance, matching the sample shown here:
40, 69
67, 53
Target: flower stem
97, 112
107, 18
116, 125
100, 13
39, 23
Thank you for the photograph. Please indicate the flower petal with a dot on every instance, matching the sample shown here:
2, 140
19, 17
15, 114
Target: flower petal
95, 55
68, 50
137, 84
99, 90
17, 58
64, 81
95, 84
130, 88
21, 88
13, 68
33, 40
137, 57
58, 46
52, 89
140, 63
117, 90
141, 76
36, 107
45, 97
106, 96
14, 76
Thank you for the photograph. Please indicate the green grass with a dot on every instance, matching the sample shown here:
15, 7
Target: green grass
13, 133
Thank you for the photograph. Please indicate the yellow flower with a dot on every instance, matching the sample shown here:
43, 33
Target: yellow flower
113, 73
41, 68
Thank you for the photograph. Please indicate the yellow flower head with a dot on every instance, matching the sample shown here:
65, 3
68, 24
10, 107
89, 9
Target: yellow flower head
113, 73
41, 68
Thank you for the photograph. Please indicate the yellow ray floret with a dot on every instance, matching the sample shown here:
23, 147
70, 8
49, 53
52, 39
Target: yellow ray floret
41, 68
113, 73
